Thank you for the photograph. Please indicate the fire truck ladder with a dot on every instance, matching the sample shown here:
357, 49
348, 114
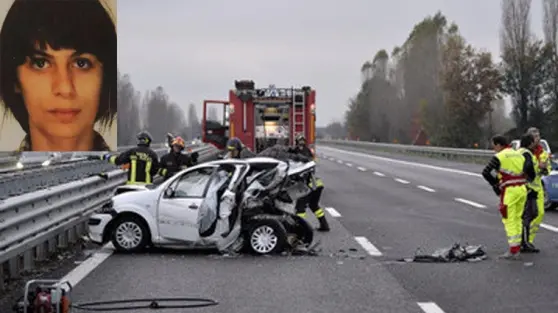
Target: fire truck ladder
299, 112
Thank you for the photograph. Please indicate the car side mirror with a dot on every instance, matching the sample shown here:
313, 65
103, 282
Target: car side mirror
169, 193
554, 165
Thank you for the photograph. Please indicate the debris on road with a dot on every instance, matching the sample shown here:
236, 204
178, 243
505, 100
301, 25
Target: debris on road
455, 253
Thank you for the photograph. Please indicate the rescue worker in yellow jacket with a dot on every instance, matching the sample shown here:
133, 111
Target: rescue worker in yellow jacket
527, 145
144, 162
543, 167
317, 185
509, 184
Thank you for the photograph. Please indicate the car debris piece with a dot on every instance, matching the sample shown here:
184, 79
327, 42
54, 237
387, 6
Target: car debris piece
455, 253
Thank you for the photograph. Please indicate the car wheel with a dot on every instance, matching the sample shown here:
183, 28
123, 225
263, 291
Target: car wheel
267, 237
129, 234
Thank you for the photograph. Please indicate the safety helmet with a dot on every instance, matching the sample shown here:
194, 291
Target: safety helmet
144, 138
299, 138
178, 141
234, 144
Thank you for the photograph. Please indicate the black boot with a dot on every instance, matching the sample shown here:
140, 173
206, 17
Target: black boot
526, 246
324, 226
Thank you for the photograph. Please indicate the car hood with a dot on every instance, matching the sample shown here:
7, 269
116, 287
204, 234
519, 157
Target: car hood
140, 197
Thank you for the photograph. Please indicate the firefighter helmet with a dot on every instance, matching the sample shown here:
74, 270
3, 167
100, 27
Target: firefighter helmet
144, 138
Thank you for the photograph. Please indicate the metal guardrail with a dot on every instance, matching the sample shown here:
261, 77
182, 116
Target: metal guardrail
36, 224
469, 155
27, 160
27, 180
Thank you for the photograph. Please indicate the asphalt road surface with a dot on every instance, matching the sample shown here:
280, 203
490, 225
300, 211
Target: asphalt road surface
380, 210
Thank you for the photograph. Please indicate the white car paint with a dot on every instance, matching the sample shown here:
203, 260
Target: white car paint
173, 221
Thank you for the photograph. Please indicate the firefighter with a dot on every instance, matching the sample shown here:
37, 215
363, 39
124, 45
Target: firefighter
175, 161
144, 162
237, 150
542, 168
527, 145
317, 185
509, 184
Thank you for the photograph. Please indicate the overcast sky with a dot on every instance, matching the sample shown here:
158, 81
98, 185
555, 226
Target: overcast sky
196, 49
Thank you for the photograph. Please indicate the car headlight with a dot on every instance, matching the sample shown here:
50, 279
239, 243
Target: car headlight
107, 207
19, 165
46, 163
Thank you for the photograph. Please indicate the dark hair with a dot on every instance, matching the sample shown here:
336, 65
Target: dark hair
500, 140
526, 140
83, 25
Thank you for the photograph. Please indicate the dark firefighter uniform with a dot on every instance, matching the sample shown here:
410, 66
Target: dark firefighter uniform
317, 186
237, 150
531, 211
144, 162
510, 185
175, 161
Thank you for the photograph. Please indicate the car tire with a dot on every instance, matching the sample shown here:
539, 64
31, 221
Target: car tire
267, 236
129, 234
303, 230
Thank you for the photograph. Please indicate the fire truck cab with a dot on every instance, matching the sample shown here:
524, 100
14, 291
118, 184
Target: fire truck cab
261, 117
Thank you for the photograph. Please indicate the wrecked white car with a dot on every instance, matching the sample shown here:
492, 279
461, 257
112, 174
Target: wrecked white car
224, 204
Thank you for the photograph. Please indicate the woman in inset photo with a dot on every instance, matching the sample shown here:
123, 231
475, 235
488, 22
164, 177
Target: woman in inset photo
58, 74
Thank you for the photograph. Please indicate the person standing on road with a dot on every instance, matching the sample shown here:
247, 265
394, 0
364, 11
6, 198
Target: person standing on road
317, 186
509, 184
527, 145
144, 162
543, 168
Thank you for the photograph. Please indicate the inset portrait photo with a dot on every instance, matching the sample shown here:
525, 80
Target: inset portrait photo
58, 75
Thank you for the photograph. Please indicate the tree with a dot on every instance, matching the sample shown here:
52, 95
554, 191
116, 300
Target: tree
193, 121
550, 29
519, 63
471, 82
129, 122
213, 115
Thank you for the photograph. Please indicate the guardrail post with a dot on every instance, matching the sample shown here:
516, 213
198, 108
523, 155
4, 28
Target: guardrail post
28, 260
40, 252
72, 235
63, 240
3, 276
51, 246
13, 267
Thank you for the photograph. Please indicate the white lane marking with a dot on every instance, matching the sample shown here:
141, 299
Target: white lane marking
333, 212
349, 164
339, 161
549, 227
399, 180
85, 268
415, 164
379, 174
362, 169
368, 246
471, 203
430, 307
426, 188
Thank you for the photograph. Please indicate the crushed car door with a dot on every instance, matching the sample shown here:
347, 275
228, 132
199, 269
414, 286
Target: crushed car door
179, 205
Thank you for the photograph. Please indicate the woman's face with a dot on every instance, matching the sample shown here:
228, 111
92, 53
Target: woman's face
61, 91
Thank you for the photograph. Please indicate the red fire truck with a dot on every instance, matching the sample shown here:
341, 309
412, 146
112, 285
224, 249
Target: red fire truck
261, 117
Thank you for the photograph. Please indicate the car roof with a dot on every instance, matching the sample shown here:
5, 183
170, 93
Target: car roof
244, 161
